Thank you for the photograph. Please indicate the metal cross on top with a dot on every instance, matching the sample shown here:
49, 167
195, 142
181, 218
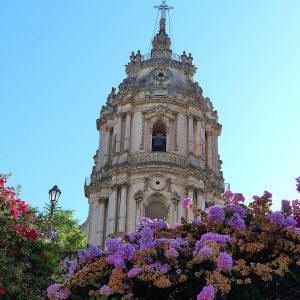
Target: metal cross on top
163, 8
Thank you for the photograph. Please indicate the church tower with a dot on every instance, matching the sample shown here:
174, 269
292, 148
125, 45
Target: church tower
158, 144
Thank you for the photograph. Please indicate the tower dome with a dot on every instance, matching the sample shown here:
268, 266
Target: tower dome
158, 144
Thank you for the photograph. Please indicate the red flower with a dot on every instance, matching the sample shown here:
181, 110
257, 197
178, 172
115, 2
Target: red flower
14, 212
31, 233
297, 219
2, 291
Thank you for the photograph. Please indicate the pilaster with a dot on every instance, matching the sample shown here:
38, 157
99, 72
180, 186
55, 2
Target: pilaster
122, 211
191, 134
112, 210
127, 131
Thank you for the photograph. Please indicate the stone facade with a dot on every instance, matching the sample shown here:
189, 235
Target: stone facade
158, 143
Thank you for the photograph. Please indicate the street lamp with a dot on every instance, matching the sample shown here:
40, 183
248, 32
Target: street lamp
54, 194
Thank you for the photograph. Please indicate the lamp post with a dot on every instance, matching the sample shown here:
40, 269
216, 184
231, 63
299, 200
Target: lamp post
54, 194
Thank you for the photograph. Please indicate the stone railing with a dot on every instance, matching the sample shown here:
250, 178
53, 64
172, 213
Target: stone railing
146, 158
174, 56
157, 157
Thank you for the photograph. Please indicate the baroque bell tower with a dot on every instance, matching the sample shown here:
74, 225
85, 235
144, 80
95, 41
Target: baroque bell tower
158, 144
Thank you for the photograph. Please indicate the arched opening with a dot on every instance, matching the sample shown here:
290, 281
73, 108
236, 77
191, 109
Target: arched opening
159, 139
156, 210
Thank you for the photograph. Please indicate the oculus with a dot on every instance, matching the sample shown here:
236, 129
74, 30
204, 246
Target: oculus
158, 182
161, 74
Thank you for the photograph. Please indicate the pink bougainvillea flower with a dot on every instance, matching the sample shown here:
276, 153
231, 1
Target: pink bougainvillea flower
187, 202
224, 262
207, 293
2, 291
238, 197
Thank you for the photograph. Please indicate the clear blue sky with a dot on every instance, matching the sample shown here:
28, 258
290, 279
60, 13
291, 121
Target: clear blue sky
59, 60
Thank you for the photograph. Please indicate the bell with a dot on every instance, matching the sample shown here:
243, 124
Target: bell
158, 142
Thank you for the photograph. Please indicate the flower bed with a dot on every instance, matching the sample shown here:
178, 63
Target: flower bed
229, 252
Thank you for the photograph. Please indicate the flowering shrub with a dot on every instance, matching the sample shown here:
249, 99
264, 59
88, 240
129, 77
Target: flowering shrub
229, 252
21, 253
27, 258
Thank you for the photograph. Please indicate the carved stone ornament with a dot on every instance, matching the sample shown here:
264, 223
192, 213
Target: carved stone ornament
158, 182
138, 195
175, 197
161, 74
160, 109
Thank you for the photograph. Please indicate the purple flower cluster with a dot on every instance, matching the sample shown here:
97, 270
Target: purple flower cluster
267, 195
205, 251
146, 238
276, 218
125, 252
178, 271
238, 197
298, 184
187, 202
105, 290
154, 224
71, 267
134, 272
197, 222
224, 262
175, 226
175, 243
290, 221
227, 195
220, 239
82, 255
296, 206
55, 291
92, 251
207, 293
112, 245
255, 198
171, 253
237, 223
286, 206
235, 208
165, 268
279, 219
215, 214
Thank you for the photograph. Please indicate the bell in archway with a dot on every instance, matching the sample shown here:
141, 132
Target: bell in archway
159, 142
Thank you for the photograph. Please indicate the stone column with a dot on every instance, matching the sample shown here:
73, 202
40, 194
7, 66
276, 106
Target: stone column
191, 135
199, 146
175, 213
107, 144
101, 215
95, 222
127, 131
100, 151
139, 208
200, 200
118, 133
216, 156
93, 218
112, 211
209, 150
122, 212
190, 215
202, 139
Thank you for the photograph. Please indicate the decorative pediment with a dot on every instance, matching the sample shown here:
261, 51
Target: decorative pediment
160, 110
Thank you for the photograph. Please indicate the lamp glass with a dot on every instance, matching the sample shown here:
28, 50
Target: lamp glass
54, 194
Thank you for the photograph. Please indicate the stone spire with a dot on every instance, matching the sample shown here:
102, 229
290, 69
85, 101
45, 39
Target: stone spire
161, 44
